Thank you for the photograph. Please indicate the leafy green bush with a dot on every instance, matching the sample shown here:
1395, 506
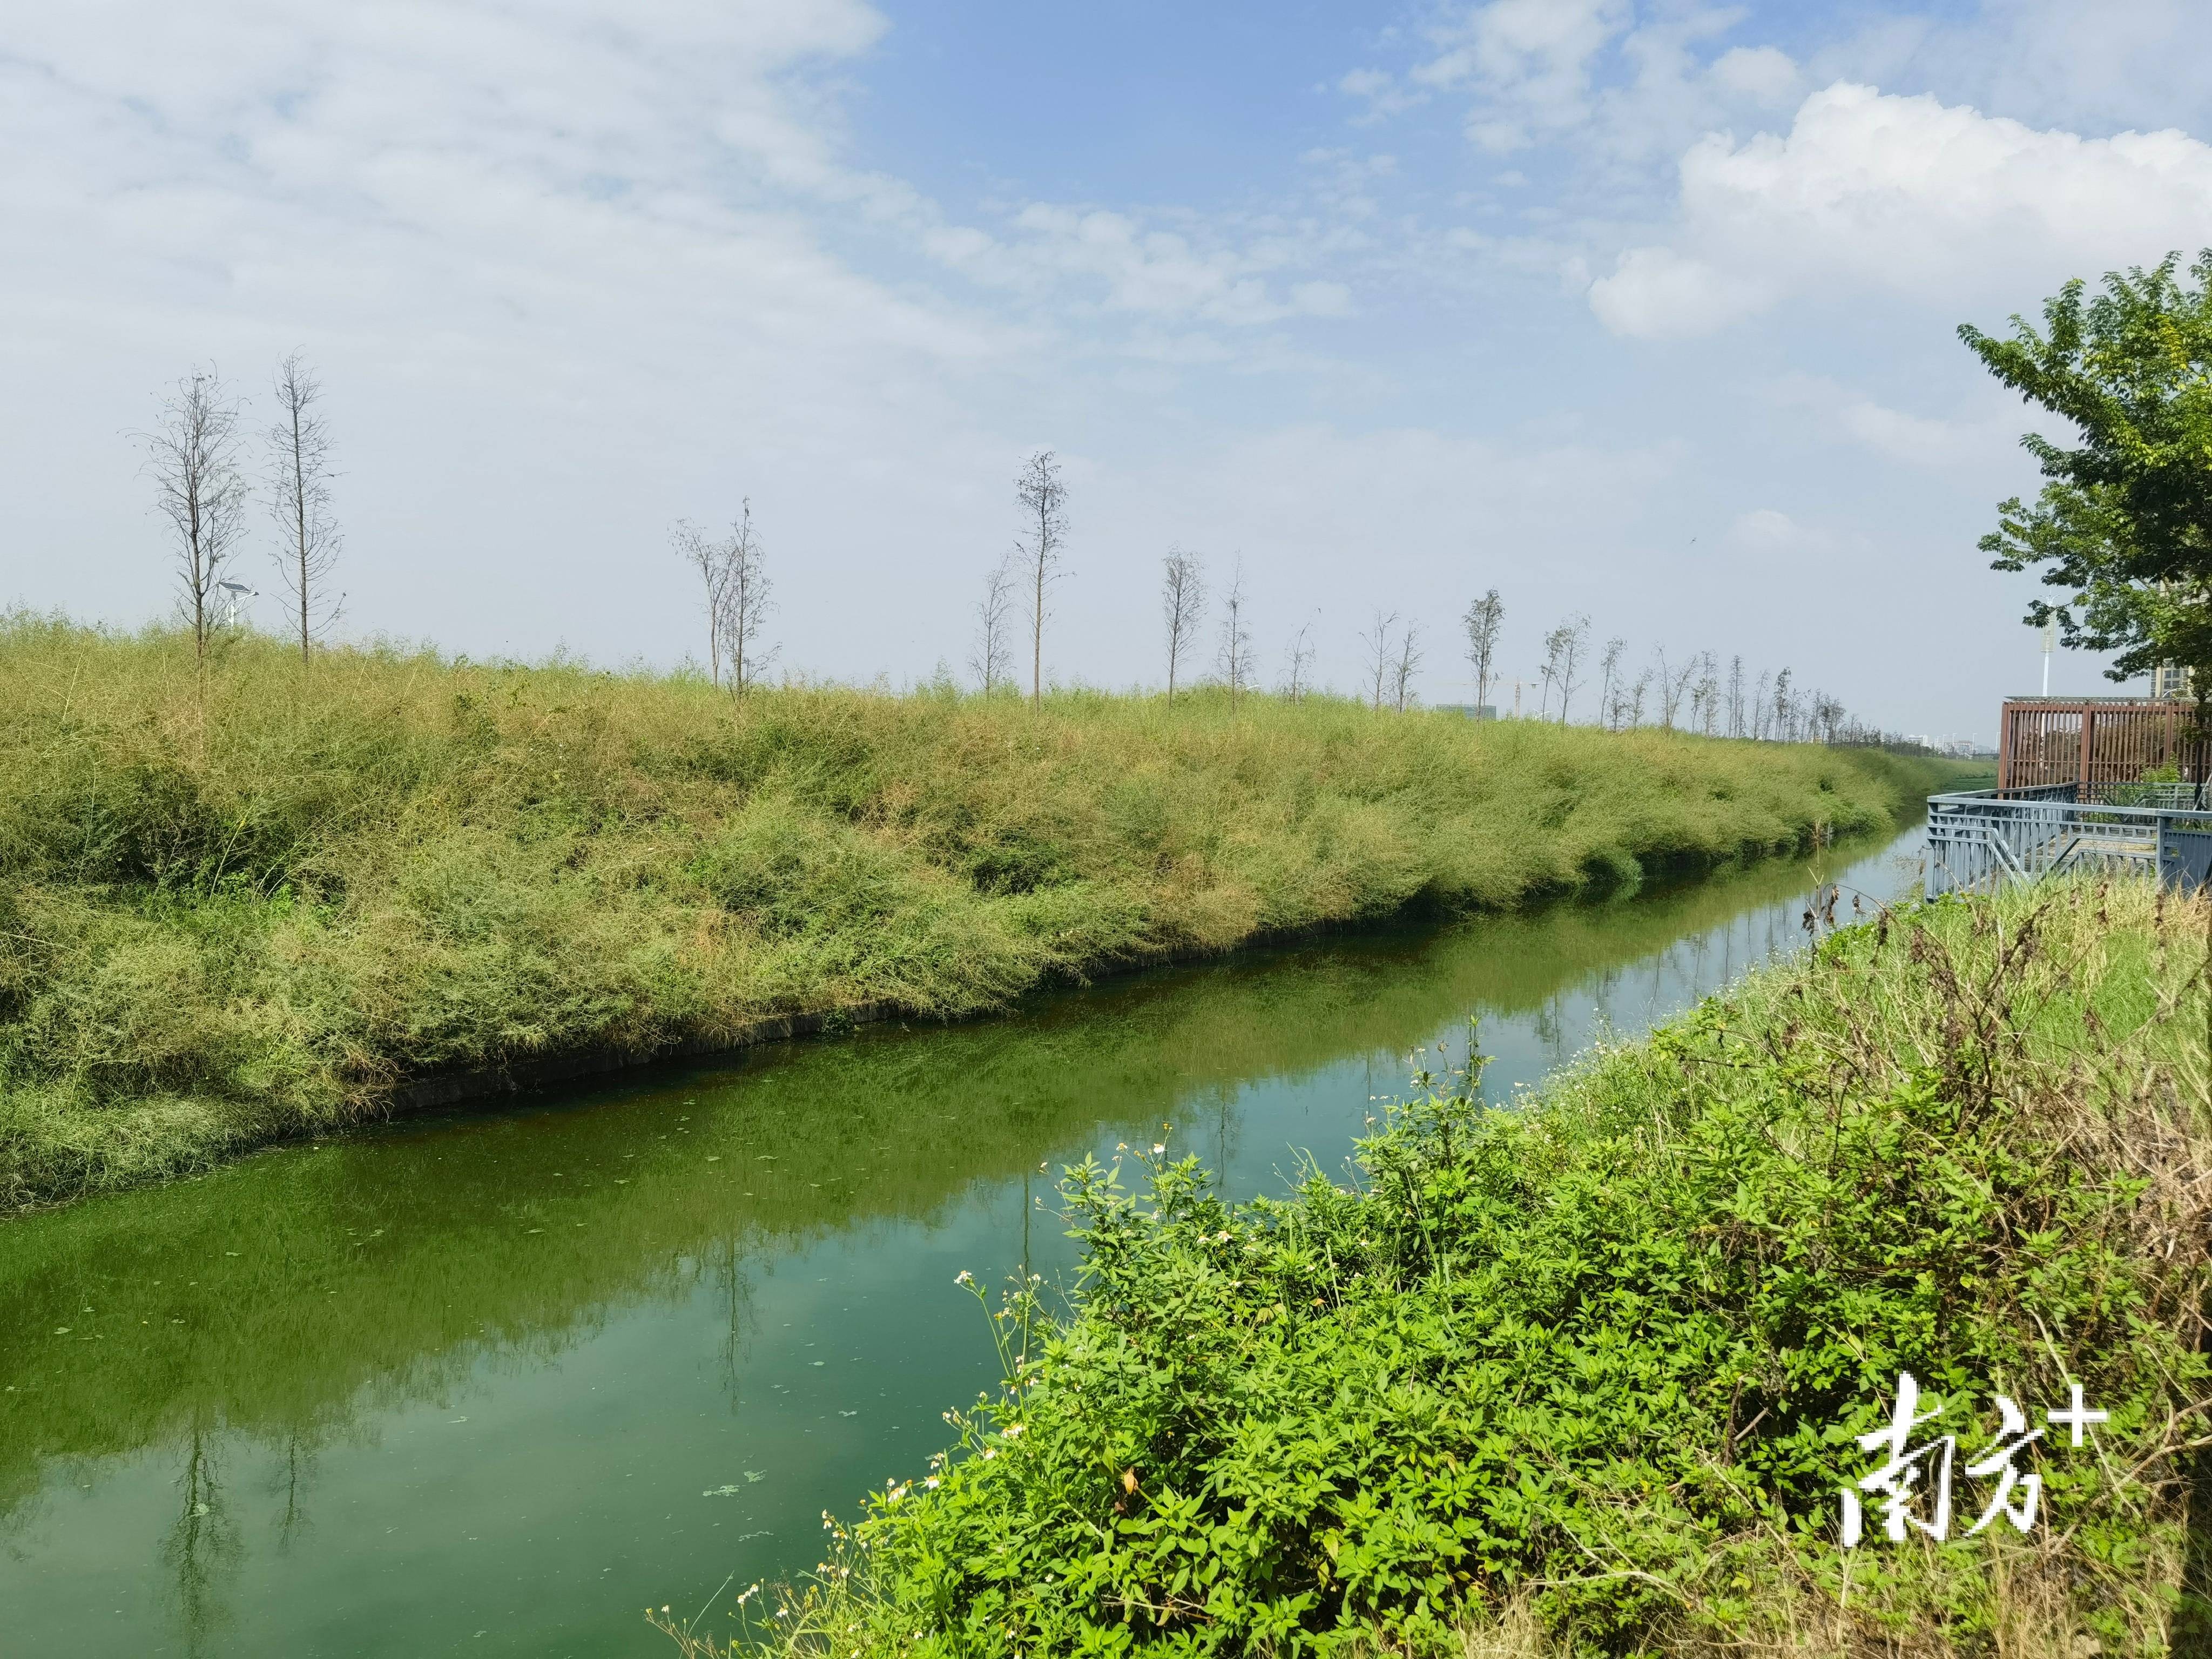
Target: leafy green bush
1598, 1362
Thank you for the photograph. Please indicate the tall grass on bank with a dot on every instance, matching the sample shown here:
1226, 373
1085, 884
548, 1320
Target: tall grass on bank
235, 912
1587, 1376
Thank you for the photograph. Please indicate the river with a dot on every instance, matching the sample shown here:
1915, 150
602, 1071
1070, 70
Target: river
491, 1383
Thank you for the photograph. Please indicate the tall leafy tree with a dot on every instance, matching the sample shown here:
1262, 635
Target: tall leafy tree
2123, 525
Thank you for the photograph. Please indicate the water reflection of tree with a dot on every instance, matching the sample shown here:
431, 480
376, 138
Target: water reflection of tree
294, 1521
727, 1258
1550, 1031
202, 1547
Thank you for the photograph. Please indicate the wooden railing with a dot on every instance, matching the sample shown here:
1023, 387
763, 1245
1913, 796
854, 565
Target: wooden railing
2090, 741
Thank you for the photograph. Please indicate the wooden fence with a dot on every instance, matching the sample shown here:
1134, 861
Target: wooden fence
2091, 740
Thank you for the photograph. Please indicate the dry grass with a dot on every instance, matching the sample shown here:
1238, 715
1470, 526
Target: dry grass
235, 913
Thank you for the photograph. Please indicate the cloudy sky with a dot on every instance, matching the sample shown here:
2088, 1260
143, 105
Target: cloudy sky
1643, 310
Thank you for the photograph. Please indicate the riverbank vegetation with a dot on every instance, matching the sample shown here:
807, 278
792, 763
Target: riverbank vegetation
451, 1251
1588, 1375
255, 899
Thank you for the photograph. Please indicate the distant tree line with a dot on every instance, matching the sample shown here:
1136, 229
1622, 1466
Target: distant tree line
198, 452
1692, 693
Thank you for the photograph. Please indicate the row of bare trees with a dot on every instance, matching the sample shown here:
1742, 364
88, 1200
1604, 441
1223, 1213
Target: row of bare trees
1018, 591
197, 451
1183, 596
1687, 694
1671, 693
1674, 693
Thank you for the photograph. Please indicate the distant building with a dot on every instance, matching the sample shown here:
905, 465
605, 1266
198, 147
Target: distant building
1473, 711
2168, 684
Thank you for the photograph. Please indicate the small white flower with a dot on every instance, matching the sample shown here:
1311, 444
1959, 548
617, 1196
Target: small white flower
1158, 1147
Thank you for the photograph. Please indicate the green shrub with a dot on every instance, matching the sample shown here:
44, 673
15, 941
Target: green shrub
1597, 1363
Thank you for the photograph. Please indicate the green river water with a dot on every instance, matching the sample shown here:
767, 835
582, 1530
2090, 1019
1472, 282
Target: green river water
494, 1382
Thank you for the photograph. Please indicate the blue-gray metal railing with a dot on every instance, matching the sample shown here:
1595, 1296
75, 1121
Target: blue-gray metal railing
1980, 839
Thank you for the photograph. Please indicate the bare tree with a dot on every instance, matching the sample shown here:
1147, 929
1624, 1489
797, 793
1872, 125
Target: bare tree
993, 659
1409, 660
1613, 707
1609, 696
1555, 643
1759, 708
1785, 708
192, 453
1638, 690
1574, 641
1043, 498
1673, 683
1827, 716
1299, 663
1735, 697
745, 604
1377, 642
300, 497
1183, 606
1705, 694
1482, 621
710, 558
1235, 657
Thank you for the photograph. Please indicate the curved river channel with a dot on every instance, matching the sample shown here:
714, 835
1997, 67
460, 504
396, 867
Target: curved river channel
492, 1383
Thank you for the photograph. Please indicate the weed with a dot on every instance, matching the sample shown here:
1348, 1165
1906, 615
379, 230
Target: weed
1586, 1375
229, 918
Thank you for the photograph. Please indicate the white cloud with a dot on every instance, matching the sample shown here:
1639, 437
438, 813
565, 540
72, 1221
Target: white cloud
1122, 266
1763, 74
1528, 62
1981, 439
1769, 530
1591, 74
1657, 294
1383, 94
2118, 63
1940, 204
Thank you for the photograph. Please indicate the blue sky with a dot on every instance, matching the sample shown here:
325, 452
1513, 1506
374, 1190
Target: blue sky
1640, 311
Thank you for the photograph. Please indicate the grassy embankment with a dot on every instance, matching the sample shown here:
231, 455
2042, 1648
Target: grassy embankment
234, 911
1586, 1376
385, 1268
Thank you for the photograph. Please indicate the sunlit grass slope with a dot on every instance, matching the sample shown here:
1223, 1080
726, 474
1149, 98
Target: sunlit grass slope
235, 908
